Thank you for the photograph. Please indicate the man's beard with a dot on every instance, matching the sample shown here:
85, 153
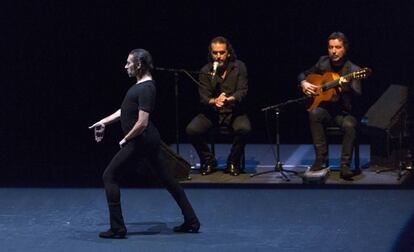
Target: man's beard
223, 67
223, 63
132, 72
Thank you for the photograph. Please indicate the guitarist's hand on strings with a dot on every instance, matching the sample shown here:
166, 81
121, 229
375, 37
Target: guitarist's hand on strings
308, 88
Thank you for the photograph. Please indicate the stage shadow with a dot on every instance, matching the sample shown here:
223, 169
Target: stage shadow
134, 229
405, 240
150, 228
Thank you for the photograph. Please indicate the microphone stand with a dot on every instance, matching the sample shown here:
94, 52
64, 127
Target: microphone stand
176, 79
279, 166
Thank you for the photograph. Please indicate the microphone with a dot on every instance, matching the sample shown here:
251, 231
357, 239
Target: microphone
215, 65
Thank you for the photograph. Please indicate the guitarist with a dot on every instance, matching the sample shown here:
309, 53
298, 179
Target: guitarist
341, 111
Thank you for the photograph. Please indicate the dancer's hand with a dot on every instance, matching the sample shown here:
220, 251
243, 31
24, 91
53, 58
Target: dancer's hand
122, 143
99, 130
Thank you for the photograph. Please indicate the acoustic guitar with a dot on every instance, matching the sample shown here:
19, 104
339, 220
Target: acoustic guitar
330, 85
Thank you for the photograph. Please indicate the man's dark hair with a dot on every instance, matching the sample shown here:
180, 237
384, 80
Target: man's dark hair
222, 40
341, 37
143, 57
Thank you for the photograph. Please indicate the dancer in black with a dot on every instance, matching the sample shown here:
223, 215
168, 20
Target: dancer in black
141, 140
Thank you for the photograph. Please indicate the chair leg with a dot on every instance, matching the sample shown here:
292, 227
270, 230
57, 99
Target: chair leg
356, 156
212, 146
243, 161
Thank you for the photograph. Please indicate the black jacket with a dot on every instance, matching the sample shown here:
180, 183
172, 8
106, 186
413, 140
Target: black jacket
234, 84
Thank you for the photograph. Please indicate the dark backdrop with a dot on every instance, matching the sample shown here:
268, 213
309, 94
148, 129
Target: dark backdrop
62, 68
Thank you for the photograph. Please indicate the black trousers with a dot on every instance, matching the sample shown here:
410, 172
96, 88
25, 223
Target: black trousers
198, 128
120, 161
319, 118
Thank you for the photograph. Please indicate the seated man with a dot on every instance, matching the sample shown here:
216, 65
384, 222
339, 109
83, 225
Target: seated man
223, 88
342, 111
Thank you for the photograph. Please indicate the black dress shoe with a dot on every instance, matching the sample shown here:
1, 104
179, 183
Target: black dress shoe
232, 169
114, 234
346, 173
188, 227
318, 164
207, 169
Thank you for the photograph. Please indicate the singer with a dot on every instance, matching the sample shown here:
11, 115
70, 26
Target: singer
141, 140
223, 89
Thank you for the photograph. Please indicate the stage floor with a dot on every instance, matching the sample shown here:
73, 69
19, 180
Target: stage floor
261, 158
233, 219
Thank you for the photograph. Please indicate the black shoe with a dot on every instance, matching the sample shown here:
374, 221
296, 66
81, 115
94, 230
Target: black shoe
188, 227
207, 169
114, 234
346, 173
318, 164
232, 169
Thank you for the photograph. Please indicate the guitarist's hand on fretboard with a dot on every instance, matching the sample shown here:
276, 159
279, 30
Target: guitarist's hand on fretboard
343, 80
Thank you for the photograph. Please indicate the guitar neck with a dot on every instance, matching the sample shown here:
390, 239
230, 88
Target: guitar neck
335, 83
329, 85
